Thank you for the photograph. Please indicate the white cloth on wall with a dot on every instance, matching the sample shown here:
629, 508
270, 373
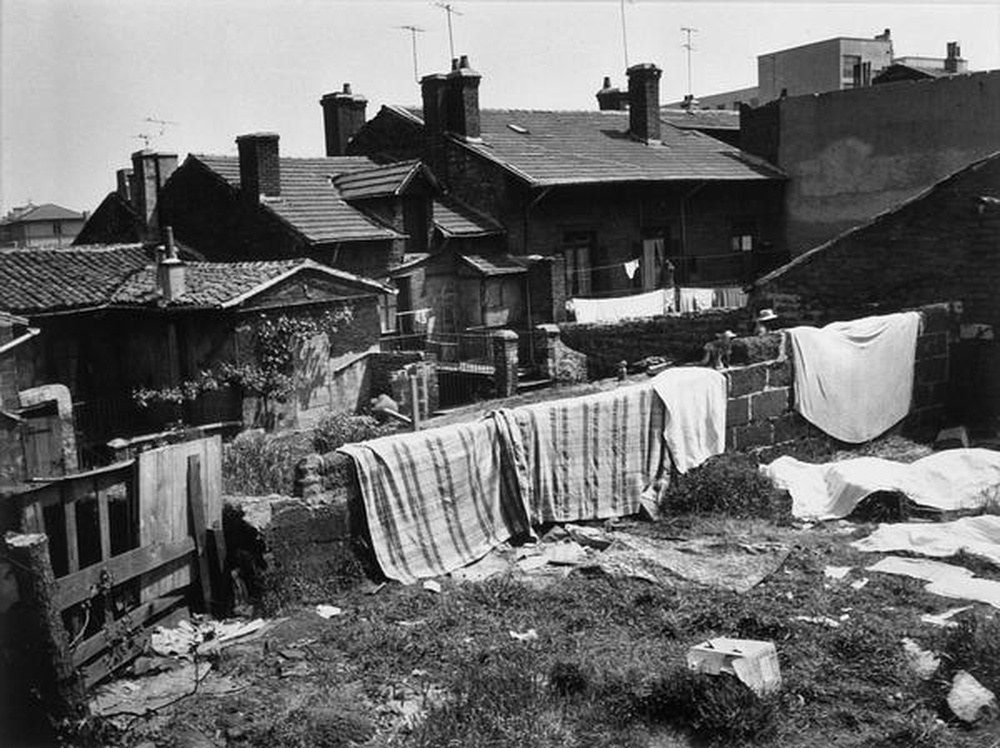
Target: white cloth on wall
695, 421
630, 267
854, 380
695, 299
953, 480
614, 309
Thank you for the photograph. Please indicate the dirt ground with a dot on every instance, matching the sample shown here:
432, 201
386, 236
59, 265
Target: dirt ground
573, 659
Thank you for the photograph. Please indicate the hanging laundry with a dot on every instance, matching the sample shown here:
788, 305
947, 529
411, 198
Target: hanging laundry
630, 267
695, 299
616, 308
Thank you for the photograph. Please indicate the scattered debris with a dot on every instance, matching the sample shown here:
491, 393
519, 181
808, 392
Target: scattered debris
824, 620
836, 572
412, 624
432, 585
969, 700
328, 611
923, 662
753, 662
127, 697
944, 619
589, 536
493, 564
206, 635
859, 584
528, 636
372, 588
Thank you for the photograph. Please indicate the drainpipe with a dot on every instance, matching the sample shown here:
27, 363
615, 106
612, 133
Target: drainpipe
527, 210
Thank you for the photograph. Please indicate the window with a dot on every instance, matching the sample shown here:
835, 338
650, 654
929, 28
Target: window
743, 236
576, 250
850, 71
387, 312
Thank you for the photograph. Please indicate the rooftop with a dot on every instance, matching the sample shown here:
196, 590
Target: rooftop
547, 148
45, 212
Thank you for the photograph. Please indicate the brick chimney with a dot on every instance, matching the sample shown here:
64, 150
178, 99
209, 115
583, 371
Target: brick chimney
343, 116
170, 271
463, 100
125, 182
610, 98
434, 94
644, 102
260, 169
953, 63
150, 171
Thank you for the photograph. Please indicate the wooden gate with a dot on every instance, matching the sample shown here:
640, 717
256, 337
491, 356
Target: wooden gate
130, 544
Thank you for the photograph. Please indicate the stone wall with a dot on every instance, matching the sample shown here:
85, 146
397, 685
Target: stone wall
679, 338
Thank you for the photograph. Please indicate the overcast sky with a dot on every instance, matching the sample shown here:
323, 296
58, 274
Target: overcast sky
80, 78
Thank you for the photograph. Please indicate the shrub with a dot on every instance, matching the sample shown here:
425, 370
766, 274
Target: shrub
336, 429
728, 484
257, 464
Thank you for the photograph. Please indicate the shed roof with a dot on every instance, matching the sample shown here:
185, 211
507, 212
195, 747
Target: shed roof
380, 181
310, 201
453, 218
493, 265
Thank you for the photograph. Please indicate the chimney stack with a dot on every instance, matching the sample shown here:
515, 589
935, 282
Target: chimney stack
170, 270
343, 117
260, 168
463, 99
610, 98
953, 62
150, 171
125, 182
644, 102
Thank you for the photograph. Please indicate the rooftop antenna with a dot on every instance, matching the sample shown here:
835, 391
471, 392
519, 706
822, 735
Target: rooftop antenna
689, 47
414, 30
450, 10
624, 34
147, 137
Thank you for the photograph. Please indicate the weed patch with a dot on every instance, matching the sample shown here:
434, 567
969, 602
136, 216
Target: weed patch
731, 485
337, 429
256, 463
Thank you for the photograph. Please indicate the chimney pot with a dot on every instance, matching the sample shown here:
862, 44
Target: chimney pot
462, 100
607, 82
170, 270
347, 88
609, 98
454, 63
463, 61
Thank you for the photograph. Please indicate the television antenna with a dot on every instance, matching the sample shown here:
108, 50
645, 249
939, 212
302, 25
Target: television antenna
624, 33
450, 10
414, 30
689, 47
148, 137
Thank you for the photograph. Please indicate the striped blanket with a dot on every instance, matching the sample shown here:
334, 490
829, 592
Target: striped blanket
594, 456
439, 499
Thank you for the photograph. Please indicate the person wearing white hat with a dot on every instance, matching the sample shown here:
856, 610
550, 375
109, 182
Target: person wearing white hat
765, 316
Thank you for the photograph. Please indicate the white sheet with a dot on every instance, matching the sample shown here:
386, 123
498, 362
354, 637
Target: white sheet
695, 421
952, 480
649, 304
979, 536
943, 579
854, 380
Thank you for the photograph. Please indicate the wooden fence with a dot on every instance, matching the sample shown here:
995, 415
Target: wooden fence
128, 545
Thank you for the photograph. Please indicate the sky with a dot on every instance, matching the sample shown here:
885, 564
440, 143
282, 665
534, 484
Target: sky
80, 79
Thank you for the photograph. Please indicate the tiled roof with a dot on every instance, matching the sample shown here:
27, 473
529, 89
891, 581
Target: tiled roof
224, 284
703, 119
454, 218
309, 202
380, 181
46, 212
547, 148
45, 280
494, 264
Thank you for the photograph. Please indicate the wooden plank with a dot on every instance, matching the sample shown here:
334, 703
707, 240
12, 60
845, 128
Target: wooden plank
137, 618
104, 524
216, 542
34, 521
196, 507
77, 587
72, 540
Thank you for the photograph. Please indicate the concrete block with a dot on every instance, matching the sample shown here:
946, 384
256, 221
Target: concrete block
746, 380
754, 435
756, 348
738, 411
769, 404
932, 344
779, 374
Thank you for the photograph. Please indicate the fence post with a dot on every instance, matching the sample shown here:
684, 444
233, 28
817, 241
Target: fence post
411, 373
61, 686
505, 362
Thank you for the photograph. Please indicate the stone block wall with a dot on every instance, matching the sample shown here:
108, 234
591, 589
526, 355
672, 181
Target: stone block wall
681, 338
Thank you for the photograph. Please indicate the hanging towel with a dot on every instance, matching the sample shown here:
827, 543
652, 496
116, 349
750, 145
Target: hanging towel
854, 380
695, 299
595, 456
438, 499
953, 480
729, 297
630, 267
649, 304
694, 399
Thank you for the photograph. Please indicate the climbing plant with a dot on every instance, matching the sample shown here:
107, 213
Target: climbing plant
267, 373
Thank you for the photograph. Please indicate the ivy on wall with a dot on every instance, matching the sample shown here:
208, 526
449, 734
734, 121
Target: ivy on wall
267, 373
